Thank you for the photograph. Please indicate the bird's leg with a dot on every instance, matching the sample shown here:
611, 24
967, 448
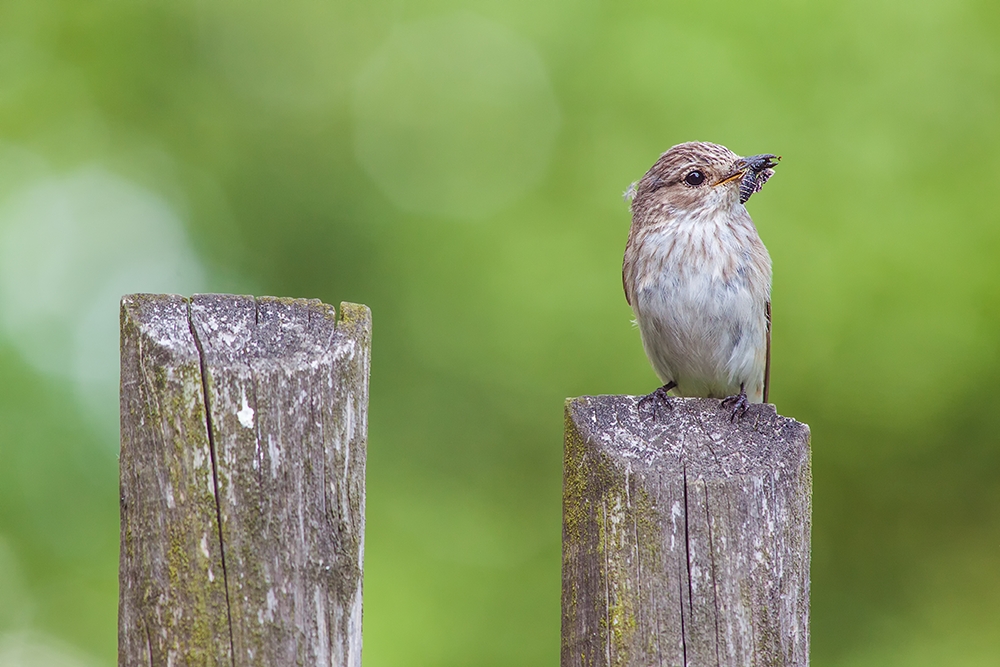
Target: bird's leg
660, 394
740, 403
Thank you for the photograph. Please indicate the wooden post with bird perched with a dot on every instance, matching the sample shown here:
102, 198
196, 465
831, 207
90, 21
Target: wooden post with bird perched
686, 519
243, 449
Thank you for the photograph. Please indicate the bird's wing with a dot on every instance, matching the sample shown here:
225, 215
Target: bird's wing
628, 265
628, 297
767, 363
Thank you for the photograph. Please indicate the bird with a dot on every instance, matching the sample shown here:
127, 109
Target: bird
698, 277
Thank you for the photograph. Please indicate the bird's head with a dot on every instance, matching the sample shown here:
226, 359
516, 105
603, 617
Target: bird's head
697, 178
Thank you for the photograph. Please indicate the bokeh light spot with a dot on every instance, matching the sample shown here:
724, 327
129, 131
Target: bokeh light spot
288, 60
455, 116
70, 247
36, 649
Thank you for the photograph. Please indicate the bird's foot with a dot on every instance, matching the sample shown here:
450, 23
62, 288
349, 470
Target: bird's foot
740, 404
658, 397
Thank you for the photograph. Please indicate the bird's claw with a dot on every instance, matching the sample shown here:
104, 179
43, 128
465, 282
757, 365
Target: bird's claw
660, 396
739, 402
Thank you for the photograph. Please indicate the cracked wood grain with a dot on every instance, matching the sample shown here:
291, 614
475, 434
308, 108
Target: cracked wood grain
685, 537
244, 429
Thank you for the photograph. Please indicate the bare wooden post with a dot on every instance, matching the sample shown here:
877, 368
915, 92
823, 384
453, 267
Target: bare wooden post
685, 536
244, 429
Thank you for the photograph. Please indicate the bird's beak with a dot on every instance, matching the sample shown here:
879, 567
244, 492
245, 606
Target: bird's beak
738, 174
755, 163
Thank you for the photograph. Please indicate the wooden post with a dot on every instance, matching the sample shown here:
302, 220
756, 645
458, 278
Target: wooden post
243, 446
685, 536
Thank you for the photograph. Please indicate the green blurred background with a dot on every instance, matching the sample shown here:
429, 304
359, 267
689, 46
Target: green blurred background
458, 166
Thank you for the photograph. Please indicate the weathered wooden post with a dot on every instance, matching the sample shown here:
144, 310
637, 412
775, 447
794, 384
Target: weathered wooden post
243, 446
685, 536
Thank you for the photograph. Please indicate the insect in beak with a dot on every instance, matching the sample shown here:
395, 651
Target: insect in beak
753, 172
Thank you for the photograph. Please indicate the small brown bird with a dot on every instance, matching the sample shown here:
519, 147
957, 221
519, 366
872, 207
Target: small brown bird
698, 277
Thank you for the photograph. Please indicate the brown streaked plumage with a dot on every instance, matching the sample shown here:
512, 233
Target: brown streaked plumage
697, 275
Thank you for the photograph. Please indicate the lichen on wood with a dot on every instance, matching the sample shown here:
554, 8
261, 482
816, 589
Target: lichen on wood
244, 432
685, 535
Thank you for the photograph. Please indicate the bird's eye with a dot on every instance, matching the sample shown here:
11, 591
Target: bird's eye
694, 178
